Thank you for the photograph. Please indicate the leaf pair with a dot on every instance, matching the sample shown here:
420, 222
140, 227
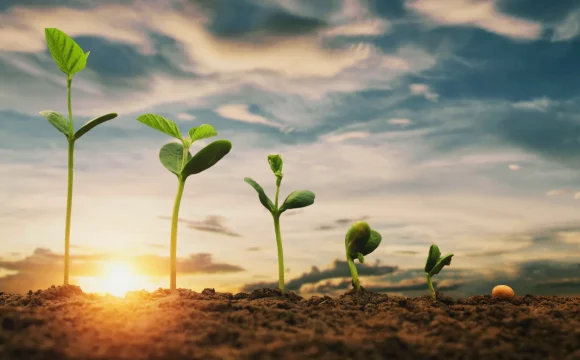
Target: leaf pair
296, 199
436, 262
171, 155
361, 240
63, 125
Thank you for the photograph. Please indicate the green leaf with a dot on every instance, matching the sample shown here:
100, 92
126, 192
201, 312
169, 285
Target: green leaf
207, 157
203, 131
276, 163
356, 238
445, 260
432, 258
171, 156
373, 243
264, 199
92, 123
361, 258
160, 123
297, 199
67, 54
57, 120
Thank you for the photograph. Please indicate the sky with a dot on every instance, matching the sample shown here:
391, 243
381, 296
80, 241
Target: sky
454, 123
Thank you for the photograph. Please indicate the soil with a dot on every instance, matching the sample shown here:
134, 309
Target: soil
65, 323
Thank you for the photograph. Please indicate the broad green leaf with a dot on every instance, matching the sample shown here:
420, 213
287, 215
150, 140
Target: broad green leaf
297, 199
445, 260
57, 120
207, 157
361, 258
373, 243
264, 199
160, 123
276, 163
432, 258
203, 131
356, 238
92, 123
67, 54
171, 156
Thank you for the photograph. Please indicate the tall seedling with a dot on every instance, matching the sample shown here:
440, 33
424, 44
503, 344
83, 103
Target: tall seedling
296, 199
177, 159
71, 59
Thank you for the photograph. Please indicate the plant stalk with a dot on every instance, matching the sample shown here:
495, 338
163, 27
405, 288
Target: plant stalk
280, 253
431, 288
173, 250
353, 272
71, 145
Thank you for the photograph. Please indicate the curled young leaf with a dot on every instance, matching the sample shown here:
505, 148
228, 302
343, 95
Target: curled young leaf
203, 131
160, 123
361, 239
276, 163
432, 258
264, 199
171, 156
443, 261
58, 121
92, 123
207, 157
67, 54
297, 199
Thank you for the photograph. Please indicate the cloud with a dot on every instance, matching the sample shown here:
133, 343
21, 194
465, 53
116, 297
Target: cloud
211, 223
185, 116
556, 192
338, 269
577, 196
569, 28
370, 27
341, 222
253, 248
344, 136
241, 112
423, 89
482, 14
540, 104
514, 167
399, 121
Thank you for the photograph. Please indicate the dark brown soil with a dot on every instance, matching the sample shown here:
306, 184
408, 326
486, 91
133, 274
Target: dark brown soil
64, 323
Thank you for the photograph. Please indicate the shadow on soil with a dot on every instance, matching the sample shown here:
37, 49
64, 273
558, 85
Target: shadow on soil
65, 323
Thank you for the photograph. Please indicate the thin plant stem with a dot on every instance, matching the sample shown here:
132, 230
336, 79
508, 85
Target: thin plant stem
280, 253
353, 272
71, 145
173, 250
430, 284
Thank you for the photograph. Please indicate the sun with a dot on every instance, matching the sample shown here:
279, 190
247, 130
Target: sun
115, 278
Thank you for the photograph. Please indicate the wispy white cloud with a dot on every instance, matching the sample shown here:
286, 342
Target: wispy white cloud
577, 196
540, 104
372, 27
399, 121
477, 13
344, 136
514, 167
423, 89
241, 112
569, 28
557, 192
185, 116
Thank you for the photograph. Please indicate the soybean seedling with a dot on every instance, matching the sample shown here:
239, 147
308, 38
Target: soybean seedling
360, 240
435, 262
71, 59
296, 199
177, 159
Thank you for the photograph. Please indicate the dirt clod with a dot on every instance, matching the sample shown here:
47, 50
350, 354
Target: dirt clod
64, 323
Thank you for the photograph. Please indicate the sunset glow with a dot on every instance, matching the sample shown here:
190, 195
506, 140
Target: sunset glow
116, 278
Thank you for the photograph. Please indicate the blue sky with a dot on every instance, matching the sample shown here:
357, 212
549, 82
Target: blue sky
450, 122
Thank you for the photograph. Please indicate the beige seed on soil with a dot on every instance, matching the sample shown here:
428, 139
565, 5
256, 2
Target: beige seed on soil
502, 292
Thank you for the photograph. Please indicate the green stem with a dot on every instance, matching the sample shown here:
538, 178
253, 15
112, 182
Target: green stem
184, 158
68, 85
431, 288
173, 250
71, 148
353, 272
280, 253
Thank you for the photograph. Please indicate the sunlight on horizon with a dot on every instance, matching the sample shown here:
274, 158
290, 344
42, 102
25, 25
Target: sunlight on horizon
116, 278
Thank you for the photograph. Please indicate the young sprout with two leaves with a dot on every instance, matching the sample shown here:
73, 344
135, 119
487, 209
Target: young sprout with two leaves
435, 262
360, 240
296, 199
177, 159
70, 59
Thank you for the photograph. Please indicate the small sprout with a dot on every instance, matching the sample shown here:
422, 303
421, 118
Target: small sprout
360, 240
435, 262
71, 59
296, 199
502, 292
177, 159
